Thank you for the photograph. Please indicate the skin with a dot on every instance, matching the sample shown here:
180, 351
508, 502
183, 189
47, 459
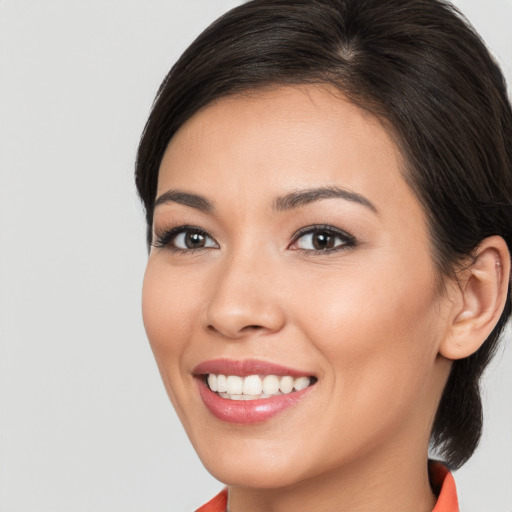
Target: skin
368, 320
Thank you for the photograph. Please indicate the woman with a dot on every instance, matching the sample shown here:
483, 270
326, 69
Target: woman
328, 190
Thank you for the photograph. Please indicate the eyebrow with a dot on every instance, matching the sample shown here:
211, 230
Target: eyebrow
303, 197
185, 198
289, 201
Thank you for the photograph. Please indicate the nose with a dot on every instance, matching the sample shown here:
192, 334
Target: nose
245, 299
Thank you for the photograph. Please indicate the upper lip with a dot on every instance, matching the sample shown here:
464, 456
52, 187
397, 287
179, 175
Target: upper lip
246, 367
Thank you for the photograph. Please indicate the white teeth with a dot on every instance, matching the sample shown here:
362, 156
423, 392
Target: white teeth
301, 383
243, 397
234, 385
221, 384
271, 384
212, 381
286, 384
254, 387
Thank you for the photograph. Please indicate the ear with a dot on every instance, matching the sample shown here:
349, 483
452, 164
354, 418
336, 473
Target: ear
481, 295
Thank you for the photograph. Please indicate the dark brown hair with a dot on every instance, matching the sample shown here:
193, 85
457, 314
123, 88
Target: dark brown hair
418, 66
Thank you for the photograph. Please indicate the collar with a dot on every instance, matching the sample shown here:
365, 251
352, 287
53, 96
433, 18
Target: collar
443, 484
217, 504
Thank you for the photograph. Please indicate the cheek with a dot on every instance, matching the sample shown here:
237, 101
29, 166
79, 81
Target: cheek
379, 357
349, 306
167, 310
169, 313
376, 330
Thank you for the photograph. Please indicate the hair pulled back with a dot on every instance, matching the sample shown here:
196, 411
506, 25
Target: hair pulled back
418, 66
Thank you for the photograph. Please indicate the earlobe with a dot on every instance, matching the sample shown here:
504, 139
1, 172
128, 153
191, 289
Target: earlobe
483, 289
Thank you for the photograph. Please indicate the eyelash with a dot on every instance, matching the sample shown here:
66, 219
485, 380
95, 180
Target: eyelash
165, 239
346, 239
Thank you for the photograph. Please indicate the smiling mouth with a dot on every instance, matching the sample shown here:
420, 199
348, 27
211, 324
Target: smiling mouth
255, 387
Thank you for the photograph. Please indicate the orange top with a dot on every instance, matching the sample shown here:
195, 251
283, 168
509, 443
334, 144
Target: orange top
441, 479
444, 486
218, 504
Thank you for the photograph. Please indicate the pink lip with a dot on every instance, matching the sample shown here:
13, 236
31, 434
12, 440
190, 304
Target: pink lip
246, 411
245, 368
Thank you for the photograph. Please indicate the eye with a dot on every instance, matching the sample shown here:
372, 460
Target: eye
185, 239
192, 240
322, 239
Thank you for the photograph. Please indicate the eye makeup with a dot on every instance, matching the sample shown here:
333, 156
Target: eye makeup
322, 237
188, 236
314, 239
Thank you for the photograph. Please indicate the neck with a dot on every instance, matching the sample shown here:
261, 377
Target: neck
392, 484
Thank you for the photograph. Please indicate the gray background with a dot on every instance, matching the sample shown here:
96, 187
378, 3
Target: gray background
85, 424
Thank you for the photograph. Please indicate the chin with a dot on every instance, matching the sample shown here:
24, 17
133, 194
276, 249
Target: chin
258, 476
262, 465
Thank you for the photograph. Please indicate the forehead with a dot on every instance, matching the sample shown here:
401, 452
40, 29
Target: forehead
277, 140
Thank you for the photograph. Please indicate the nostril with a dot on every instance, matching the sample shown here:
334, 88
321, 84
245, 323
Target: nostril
247, 328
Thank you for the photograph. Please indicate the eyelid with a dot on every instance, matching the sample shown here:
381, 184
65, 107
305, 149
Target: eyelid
162, 239
348, 239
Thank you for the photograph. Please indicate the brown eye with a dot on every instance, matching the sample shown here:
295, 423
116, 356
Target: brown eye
184, 238
194, 240
322, 239
190, 239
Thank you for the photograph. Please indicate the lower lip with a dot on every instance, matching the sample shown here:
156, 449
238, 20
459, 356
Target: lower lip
248, 411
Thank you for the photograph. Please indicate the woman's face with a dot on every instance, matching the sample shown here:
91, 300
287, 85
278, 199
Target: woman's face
288, 246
